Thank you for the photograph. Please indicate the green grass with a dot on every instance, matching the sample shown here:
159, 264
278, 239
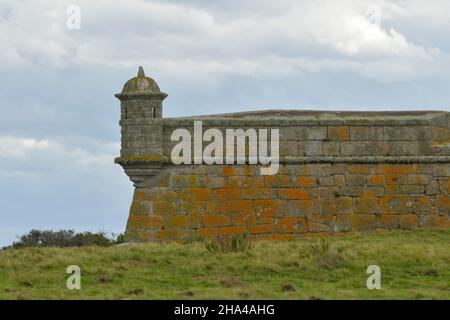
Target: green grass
414, 265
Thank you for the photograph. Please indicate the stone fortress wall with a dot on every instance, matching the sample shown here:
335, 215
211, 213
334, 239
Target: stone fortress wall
339, 172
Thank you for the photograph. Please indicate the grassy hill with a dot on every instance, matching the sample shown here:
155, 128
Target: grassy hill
414, 265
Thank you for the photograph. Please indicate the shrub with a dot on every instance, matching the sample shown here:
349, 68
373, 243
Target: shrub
234, 243
66, 238
120, 238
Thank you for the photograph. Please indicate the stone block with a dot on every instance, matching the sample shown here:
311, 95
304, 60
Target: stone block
326, 181
292, 225
262, 228
226, 194
258, 193
343, 223
376, 180
350, 191
408, 221
413, 133
215, 220
356, 180
418, 179
350, 148
338, 133
387, 221
366, 133
310, 148
330, 148
363, 222
336, 205
367, 205
298, 208
305, 181
299, 133
407, 148
293, 194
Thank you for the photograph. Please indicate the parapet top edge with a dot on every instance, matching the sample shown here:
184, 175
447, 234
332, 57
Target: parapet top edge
304, 117
299, 113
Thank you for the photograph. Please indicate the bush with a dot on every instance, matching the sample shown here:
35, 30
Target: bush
235, 243
120, 238
66, 238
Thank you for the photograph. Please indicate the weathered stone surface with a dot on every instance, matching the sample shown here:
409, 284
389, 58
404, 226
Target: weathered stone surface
339, 172
366, 133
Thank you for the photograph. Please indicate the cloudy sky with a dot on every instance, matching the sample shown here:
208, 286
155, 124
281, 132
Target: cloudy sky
59, 128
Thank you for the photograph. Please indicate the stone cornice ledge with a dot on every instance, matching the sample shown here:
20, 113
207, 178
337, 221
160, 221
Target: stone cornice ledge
132, 161
141, 96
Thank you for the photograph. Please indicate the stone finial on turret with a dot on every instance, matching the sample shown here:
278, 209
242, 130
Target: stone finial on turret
141, 73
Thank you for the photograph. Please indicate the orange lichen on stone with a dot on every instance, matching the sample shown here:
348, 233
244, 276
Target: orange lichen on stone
343, 133
293, 194
303, 201
361, 222
175, 234
377, 180
258, 193
340, 133
443, 202
179, 221
433, 220
231, 230
387, 221
336, 205
243, 218
358, 169
292, 225
245, 182
207, 232
262, 228
227, 193
149, 222
267, 210
408, 221
396, 204
228, 171
163, 207
423, 203
400, 169
277, 181
305, 181
195, 194
366, 205
283, 236
216, 220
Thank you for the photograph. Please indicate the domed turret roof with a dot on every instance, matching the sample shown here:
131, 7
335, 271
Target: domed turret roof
141, 84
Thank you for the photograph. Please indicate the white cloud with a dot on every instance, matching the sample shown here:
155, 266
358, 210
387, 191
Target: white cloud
23, 154
206, 42
12, 147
